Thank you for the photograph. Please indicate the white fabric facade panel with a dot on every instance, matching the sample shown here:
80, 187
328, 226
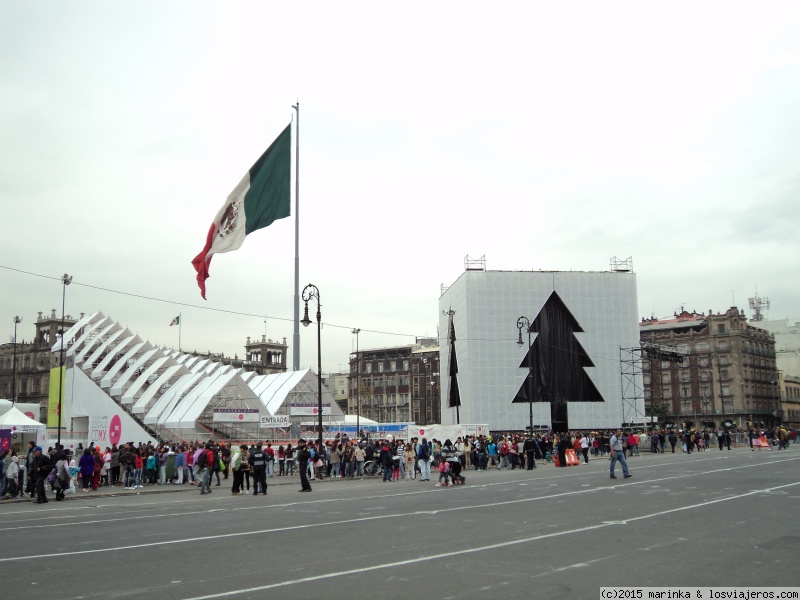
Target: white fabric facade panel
148, 398
159, 363
121, 384
487, 305
75, 330
90, 332
102, 348
104, 414
176, 417
99, 338
164, 406
112, 373
100, 370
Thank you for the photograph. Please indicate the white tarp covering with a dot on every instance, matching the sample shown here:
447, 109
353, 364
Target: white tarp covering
108, 421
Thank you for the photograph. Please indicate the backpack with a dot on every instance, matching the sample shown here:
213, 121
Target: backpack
202, 459
425, 451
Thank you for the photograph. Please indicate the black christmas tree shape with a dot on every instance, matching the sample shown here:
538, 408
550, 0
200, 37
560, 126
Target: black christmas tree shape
454, 397
558, 362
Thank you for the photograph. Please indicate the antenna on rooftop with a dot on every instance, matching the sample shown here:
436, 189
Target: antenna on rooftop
756, 304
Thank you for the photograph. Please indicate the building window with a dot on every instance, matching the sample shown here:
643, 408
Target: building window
702, 347
393, 365
380, 367
369, 367
721, 328
405, 365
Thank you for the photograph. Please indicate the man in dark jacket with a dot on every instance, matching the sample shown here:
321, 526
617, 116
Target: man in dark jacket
127, 464
529, 448
30, 482
303, 456
40, 468
258, 462
564, 444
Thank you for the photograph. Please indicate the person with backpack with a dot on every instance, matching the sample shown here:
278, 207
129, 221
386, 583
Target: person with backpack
424, 460
202, 461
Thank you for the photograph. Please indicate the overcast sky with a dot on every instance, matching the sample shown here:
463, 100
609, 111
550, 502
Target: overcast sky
540, 135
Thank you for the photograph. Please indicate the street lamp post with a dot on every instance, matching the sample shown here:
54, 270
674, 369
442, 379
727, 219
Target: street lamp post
65, 280
524, 323
358, 388
425, 383
309, 292
17, 320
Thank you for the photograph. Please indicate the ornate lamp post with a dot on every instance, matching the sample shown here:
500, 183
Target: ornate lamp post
17, 320
65, 280
524, 323
309, 292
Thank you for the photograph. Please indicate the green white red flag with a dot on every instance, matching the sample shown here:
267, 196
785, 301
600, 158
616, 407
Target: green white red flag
262, 196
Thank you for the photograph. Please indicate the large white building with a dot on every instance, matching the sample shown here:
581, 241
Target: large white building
580, 321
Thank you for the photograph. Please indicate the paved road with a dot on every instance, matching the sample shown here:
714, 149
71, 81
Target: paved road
708, 519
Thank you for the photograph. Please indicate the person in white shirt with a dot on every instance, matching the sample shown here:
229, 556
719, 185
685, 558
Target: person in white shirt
618, 454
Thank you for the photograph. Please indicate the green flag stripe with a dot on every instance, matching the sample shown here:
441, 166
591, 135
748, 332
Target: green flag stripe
269, 196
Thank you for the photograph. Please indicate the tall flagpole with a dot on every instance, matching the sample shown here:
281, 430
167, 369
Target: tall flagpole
296, 337
180, 324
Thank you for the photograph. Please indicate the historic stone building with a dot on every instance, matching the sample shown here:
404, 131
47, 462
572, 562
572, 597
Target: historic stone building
34, 359
706, 370
398, 384
337, 384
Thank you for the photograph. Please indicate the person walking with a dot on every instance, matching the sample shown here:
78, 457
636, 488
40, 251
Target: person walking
202, 461
618, 454
585, 448
673, 440
40, 468
303, 456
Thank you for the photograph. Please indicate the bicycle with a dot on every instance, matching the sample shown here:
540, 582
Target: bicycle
372, 467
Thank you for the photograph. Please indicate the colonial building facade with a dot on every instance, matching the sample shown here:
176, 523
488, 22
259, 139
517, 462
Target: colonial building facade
397, 384
34, 359
726, 372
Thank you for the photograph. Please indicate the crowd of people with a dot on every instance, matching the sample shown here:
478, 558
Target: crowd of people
135, 466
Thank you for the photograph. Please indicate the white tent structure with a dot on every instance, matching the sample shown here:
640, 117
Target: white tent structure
122, 388
22, 429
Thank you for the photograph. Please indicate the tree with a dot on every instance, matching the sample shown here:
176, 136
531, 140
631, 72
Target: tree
558, 361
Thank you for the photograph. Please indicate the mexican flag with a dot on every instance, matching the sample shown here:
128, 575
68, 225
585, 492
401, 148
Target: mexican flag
262, 196
175, 321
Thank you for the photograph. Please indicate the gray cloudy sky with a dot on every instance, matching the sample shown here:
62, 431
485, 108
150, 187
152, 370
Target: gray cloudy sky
541, 135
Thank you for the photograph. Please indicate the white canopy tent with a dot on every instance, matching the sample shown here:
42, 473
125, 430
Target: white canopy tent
22, 428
